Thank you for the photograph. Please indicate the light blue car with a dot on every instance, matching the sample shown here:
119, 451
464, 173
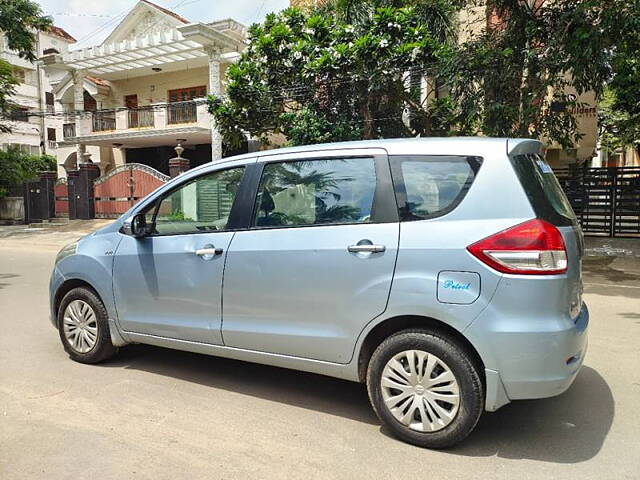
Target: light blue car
444, 273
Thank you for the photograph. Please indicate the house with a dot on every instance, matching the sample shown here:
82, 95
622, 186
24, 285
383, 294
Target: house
31, 131
143, 90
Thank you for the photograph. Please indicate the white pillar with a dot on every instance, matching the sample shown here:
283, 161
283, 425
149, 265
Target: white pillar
214, 89
78, 108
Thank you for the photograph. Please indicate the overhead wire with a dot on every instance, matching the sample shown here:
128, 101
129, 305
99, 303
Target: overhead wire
259, 11
292, 93
76, 14
182, 3
115, 18
86, 114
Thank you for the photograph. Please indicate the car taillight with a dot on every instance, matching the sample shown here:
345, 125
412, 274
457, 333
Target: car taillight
532, 248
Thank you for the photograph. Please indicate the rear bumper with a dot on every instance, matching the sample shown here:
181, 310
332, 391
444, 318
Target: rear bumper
531, 362
548, 362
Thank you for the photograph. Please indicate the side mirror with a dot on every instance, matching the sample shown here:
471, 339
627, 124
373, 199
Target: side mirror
135, 226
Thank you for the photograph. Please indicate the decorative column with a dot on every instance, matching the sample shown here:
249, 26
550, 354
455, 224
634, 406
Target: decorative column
48, 185
178, 165
78, 108
87, 173
215, 89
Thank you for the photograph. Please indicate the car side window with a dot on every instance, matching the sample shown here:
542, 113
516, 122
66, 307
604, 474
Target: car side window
201, 205
316, 192
431, 186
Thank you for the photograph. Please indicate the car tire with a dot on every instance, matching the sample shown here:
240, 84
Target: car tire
83, 325
425, 410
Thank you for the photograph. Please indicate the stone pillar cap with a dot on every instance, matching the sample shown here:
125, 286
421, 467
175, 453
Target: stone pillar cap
179, 149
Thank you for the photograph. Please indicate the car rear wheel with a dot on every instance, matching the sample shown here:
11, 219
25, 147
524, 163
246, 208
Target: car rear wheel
84, 326
425, 388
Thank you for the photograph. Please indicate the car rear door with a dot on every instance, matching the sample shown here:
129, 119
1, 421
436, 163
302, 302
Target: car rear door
550, 204
316, 264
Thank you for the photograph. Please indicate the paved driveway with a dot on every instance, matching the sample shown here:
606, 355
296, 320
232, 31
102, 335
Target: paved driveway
154, 413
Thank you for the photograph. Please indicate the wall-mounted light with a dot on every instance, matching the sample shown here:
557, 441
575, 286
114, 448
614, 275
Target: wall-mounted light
156, 69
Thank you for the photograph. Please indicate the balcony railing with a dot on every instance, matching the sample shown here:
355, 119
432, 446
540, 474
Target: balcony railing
103, 121
181, 112
140, 117
69, 130
159, 116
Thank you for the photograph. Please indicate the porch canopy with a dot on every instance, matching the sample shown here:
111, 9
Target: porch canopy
164, 49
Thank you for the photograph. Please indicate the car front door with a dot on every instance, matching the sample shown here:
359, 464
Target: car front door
169, 283
317, 262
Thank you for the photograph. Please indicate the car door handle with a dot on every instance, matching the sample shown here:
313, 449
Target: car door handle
366, 248
202, 252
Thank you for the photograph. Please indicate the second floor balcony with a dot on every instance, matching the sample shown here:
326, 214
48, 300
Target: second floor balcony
146, 121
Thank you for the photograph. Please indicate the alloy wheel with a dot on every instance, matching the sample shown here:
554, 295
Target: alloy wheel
420, 390
80, 326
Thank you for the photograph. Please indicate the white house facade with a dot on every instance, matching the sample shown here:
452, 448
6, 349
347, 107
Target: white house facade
141, 92
31, 131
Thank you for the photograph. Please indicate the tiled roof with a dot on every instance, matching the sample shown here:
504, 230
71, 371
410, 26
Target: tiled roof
96, 81
168, 12
59, 32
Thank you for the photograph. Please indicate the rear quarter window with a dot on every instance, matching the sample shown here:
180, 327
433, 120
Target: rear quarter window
431, 186
545, 194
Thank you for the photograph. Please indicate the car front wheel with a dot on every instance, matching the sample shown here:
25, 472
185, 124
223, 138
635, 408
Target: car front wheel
84, 326
424, 387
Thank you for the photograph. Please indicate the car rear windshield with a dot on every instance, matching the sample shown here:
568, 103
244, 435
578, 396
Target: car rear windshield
430, 186
541, 186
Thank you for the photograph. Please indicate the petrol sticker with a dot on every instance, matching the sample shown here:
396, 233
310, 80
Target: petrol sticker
455, 285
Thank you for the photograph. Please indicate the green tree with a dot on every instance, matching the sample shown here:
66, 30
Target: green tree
19, 22
620, 105
351, 69
17, 167
316, 77
436, 15
515, 78
8, 83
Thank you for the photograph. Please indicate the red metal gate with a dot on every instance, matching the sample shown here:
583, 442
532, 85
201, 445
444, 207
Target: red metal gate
123, 187
61, 192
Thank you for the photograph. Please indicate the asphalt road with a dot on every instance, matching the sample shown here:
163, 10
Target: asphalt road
154, 413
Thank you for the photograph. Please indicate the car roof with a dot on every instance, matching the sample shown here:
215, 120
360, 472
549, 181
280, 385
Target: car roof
400, 146
391, 145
